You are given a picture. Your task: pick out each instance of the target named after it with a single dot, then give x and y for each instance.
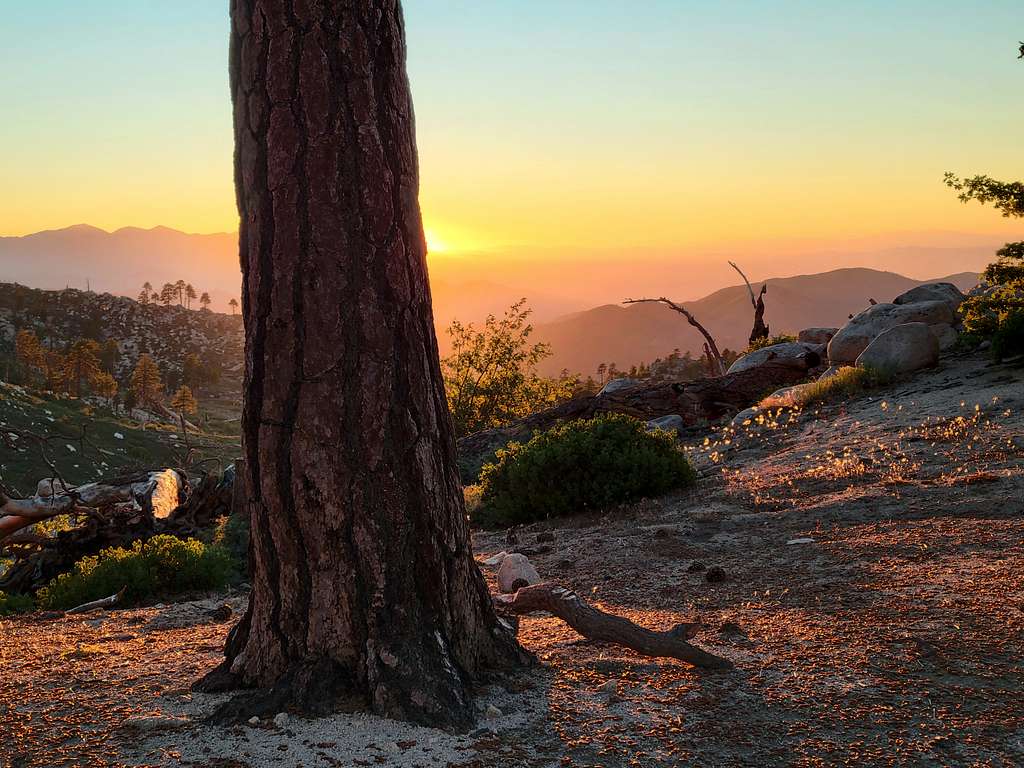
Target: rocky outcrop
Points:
(901, 349)
(854, 337)
(817, 335)
(946, 334)
(671, 423)
(516, 571)
(945, 292)
(616, 385)
(792, 353)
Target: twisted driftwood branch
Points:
(604, 627)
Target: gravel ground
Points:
(873, 606)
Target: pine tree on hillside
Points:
(234, 305)
(190, 295)
(104, 385)
(28, 350)
(81, 364)
(167, 294)
(184, 401)
(205, 301)
(146, 384)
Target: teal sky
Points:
(566, 123)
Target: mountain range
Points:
(636, 333)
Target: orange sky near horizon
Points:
(624, 132)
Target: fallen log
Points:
(595, 624)
(697, 402)
(104, 602)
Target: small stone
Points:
(492, 712)
(281, 719)
(254, 721)
(696, 567)
(610, 687)
(715, 575)
(545, 537)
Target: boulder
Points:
(946, 292)
(946, 334)
(616, 384)
(854, 337)
(901, 349)
(671, 423)
(784, 396)
(743, 416)
(817, 335)
(516, 571)
(795, 353)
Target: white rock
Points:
(804, 540)
(281, 719)
(164, 494)
(493, 712)
(616, 384)
(901, 349)
(946, 292)
(792, 353)
(496, 559)
(118, 436)
(854, 337)
(514, 570)
(254, 720)
(816, 335)
(672, 423)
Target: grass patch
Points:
(162, 566)
(847, 382)
(578, 466)
(112, 443)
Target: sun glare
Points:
(434, 243)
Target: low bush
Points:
(769, 341)
(12, 604)
(162, 566)
(577, 466)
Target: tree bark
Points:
(364, 584)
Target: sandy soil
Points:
(873, 606)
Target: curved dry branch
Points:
(604, 627)
(712, 346)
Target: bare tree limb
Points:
(753, 301)
(760, 329)
(712, 346)
(604, 627)
(105, 602)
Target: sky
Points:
(552, 127)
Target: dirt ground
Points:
(873, 606)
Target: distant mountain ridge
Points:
(629, 335)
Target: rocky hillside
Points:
(167, 334)
(629, 335)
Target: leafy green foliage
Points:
(768, 341)
(163, 565)
(13, 604)
(231, 533)
(491, 374)
(577, 466)
(999, 314)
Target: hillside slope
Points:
(629, 335)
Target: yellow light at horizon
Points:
(434, 243)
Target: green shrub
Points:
(163, 565)
(577, 466)
(12, 604)
(769, 341)
(1008, 340)
(231, 533)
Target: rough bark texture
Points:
(364, 585)
(603, 627)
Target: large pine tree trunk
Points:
(364, 585)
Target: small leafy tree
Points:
(146, 384)
(29, 352)
(491, 374)
(184, 401)
(81, 364)
(104, 385)
(997, 314)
